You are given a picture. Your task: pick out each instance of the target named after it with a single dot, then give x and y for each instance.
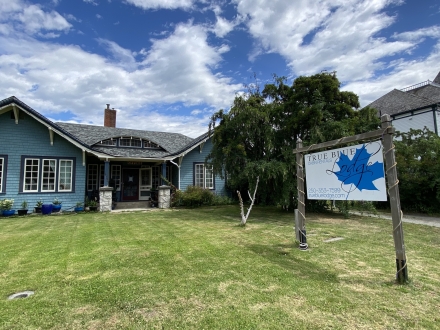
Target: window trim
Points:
(3, 173)
(195, 164)
(117, 181)
(95, 184)
(59, 175)
(23, 173)
(40, 172)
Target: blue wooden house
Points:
(43, 160)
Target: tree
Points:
(256, 137)
(417, 156)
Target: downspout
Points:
(178, 167)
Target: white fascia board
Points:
(188, 150)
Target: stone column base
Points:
(105, 199)
(164, 199)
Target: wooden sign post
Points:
(386, 134)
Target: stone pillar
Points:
(164, 199)
(105, 199)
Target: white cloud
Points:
(92, 2)
(337, 35)
(31, 18)
(420, 34)
(165, 4)
(55, 78)
(222, 27)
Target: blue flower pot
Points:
(8, 213)
(46, 209)
(56, 207)
(79, 209)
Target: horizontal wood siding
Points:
(418, 121)
(187, 168)
(31, 138)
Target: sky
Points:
(168, 65)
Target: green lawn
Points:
(197, 269)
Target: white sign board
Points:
(350, 173)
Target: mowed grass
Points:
(198, 269)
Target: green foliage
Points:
(418, 167)
(196, 196)
(6, 204)
(24, 205)
(257, 136)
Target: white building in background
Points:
(416, 106)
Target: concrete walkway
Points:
(417, 219)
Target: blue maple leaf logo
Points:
(358, 171)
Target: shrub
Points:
(196, 196)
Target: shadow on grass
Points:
(287, 257)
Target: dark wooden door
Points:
(130, 184)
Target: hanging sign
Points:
(350, 173)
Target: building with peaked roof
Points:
(413, 107)
(41, 159)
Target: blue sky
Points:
(167, 65)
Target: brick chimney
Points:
(109, 117)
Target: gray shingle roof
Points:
(437, 79)
(397, 101)
(90, 135)
(172, 144)
(430, 92)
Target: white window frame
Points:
(200, 176)
(60, 174)
(2, 170)
(46, 180)
(115, 174)
(25, 177)
(92, 178)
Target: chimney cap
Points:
(108, 105)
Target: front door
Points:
(130, 184)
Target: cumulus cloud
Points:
(32, 19)
(342, 36)
(55, 78)
(165, 4)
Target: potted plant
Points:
(6, 207)
(56, 205)
(24, 208)
(38, 206)
(93, 205)
(79, 207)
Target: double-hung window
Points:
(65, 175)
(44, 174)
(92, 177)
(116, 176)
(203, 176)
(48, 175)
(31, 174)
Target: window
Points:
(65, 178)
(48, 175)
(116, 176)
(101, 175)
(2, 173)
(130, 142)
(109, 142)
(31, 174)
(203, 176)
(92, 177)
(149, 144)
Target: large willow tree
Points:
(255, 138)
